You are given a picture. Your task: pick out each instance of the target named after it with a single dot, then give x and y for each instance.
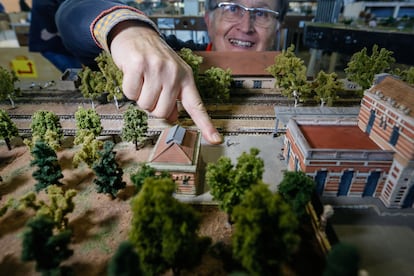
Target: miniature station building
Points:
(370, 156)
(248, 72)
(177, 151)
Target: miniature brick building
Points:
(178, 152)
(247, 72)
(372, 156)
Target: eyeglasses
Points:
(233, 12)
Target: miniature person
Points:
(154, 76)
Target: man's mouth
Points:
(241, 43)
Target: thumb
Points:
(195, 108)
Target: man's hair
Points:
(282, 5)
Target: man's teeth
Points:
(241, 43)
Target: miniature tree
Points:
(164, 230)
(193, 60)
(89, 150)
(8, 128)
(144, 171)
(92, 84)
(228, 183)
(297, 188)
(362, 68)
(135, 125)
(265, 231)
(325, 87)
(87, 119)
(406, 75)
(89, 126)
(112, 75)
(48, 169)
(342, 260)
(46, 126)
(59, 205)
(290, 74)
(108, 173)
(7, 87)
(125, 261)
(40, 244)
(215, 84)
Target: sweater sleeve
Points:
(85, 24)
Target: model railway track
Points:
(26, 132)
(35, 96)
(243, 117)
(117, 117)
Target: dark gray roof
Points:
(175, 135)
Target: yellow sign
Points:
(24, 67)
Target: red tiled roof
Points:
(397, 90)
(337, 137)
(240, 63)
(173, 152)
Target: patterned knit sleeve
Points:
(108, 19)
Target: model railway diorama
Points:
(90, 184)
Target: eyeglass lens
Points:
(235, 12)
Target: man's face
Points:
(243, 34)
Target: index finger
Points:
(194, 106)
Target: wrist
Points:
(129, 28)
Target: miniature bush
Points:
(228, 183)
(297, 188)
(342, 260)
(57, 207)
(164, 230)
(264, 231)
(143, 172)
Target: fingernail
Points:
(217, 138)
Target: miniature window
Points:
(370, 121)
(238, 83)
(257, 84)
(383, 122)
(185, 180)
(395, 135)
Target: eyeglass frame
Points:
(246, 9)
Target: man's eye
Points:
(262, 14)
(233, 8)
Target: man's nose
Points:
(246, 23)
